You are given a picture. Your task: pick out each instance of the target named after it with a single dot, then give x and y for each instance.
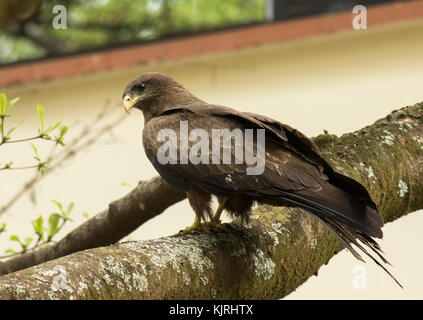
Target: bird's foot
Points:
(217, 224)
(207, 227)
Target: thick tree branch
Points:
(107, 227)
(269, 258)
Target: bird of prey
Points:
(294, 174)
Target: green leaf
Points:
(14, 237)
(40, 110)
(3, 227)
(50, 129)
(59, 139)
(35, 149)
(59, 205)
(10, 251)
(125, 184)
(69, 210)
(86, 215)
(27, 242)
(13, 129)
(41, 166)
(63, 131)
(53, 222)
(12, 103)
(38, 226)
(3, 104)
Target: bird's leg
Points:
(214, 221)
(216, 217)
(195, 226)
(200, 203)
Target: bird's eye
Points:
(141, 87)
(127, 99)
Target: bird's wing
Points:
(286, 168)
(294, 173)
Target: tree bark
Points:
(266, 259)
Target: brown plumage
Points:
(295, 175)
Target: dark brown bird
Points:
(293, 174)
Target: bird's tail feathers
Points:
(351, 221)
(350, 237)
(335, 203)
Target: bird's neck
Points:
(149, 114)
(176, 101)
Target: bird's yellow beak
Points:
(129, 102)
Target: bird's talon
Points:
(207, 227)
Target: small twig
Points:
(39, 243)
(19, 168)
(26, 251)
(73, 147)
(23, 140)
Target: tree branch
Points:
(256, 261)
(107, 227)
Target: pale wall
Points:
(338, 82)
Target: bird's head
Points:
(153, 92)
